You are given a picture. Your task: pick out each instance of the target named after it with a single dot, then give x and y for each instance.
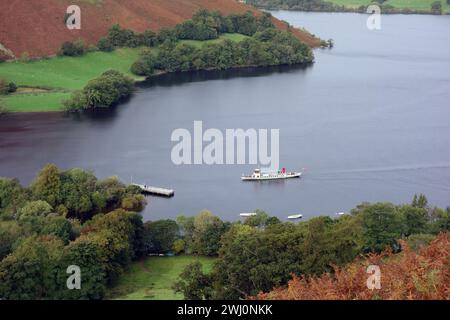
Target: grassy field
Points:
(228, 36)
(152, 278)
(401, 4)
(62, 75)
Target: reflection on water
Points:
(177, 78)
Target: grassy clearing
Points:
(36, 102)
(152, 278)
(400, 4)
(228, 36)
(62, 75)
(68, 72)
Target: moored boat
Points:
(248, 214)
(295, 216)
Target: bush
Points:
(104, 44)
(76, 102)
(436, 7)
(145, 66)
(103, 91)
(72, 49)
(7, 87)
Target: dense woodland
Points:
(72, 218)
(164, 52)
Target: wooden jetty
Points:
(155, 190)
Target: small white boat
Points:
(248, 214)
(295, 216)
(340, 213)
(258, 175)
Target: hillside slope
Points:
(38, 28)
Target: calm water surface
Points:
(369, 122)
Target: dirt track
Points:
(37, 27)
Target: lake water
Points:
(370, 121)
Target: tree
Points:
(59, 227)
(107, 89)
(208, 230)
(10, 232)
(193, 283)
(414, 219)
(85, 254)
(34, 209)
(258, 220)
(179, 246)
(161, 235)
(420, 201)
(28, 273)
(145, 66)
(382, 226)
(12, 197)
(133, 202)
(101, 92)
(47, 185)
(186, 230)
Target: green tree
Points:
(10, 232)
(179, 246)
(86, 255)
(12, 197)
(47, 185)
(145, 66)
(382, 226)
(34, 209)
(161, 235)
(28, 273)
(258, 220)
(193, 283)
(420, 201)
(208, 229)
(415, 219)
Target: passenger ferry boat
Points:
(259, 175)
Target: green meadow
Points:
(227, 36)
(400, 4)
(59, 76)
(152, 278)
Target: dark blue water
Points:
(369, 121)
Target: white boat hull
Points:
(272, 176)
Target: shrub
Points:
(436, 7)
(7, 87)
(105, 44)
(145, 66)
(72, 49)
(76, 102)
